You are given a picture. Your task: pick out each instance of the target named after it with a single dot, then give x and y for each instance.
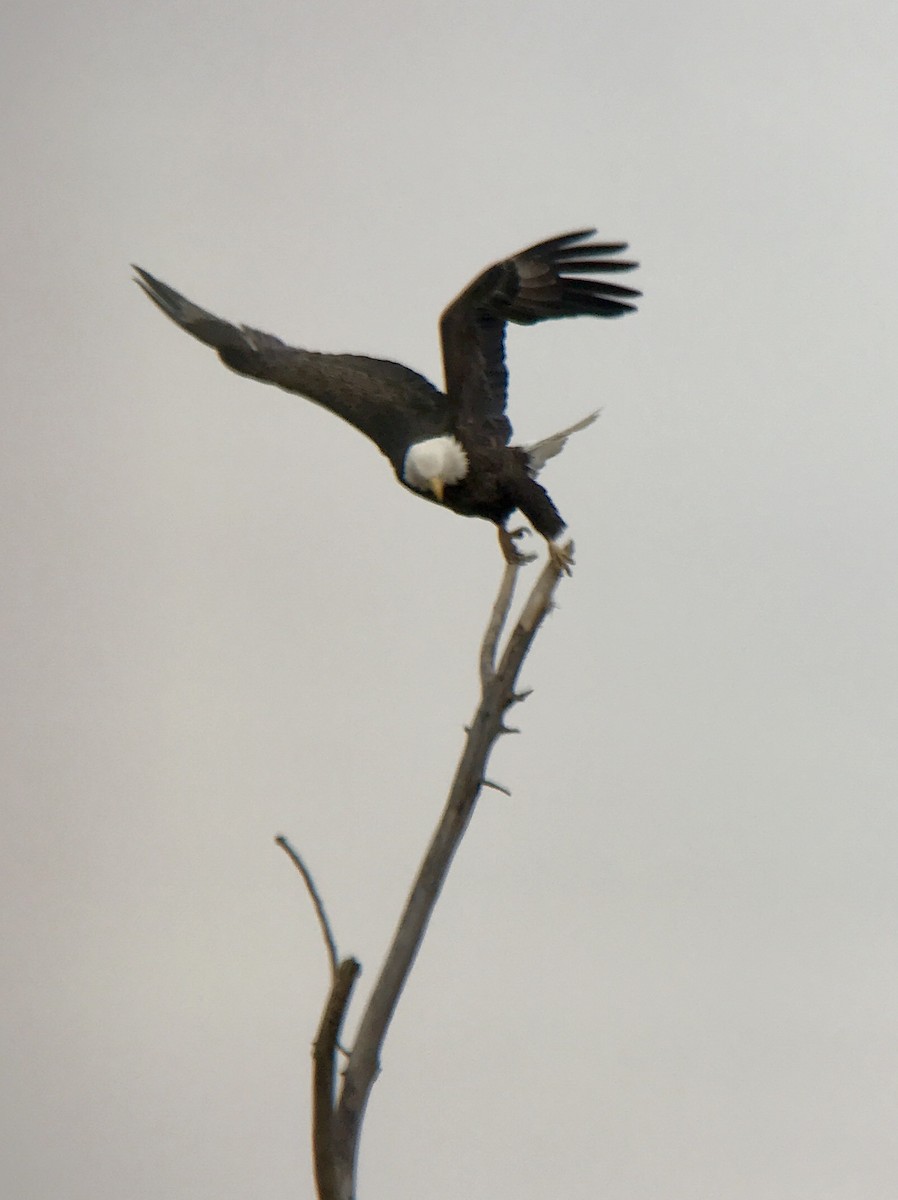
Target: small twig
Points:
(496, 787)
(316, 900)
(497, 620)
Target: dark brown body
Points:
(498, 482)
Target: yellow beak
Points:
(436, 486)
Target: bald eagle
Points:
(451, 447)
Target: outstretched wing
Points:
(541, 283)
(388, 402)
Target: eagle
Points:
(451, 447)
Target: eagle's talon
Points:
(562, 557)
(512, 555)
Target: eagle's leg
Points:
(510, 552)
(561, 556)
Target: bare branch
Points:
(306, 874)
(498, 693)
(497, 620)
(328, 1180)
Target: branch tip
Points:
(496, 623)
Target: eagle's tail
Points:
(539, 453)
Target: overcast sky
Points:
(668, 965)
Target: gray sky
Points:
(668, 966)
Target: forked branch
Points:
(338, 1113)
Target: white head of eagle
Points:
(435, 464)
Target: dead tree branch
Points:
(337, 1119)
(497, 695)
